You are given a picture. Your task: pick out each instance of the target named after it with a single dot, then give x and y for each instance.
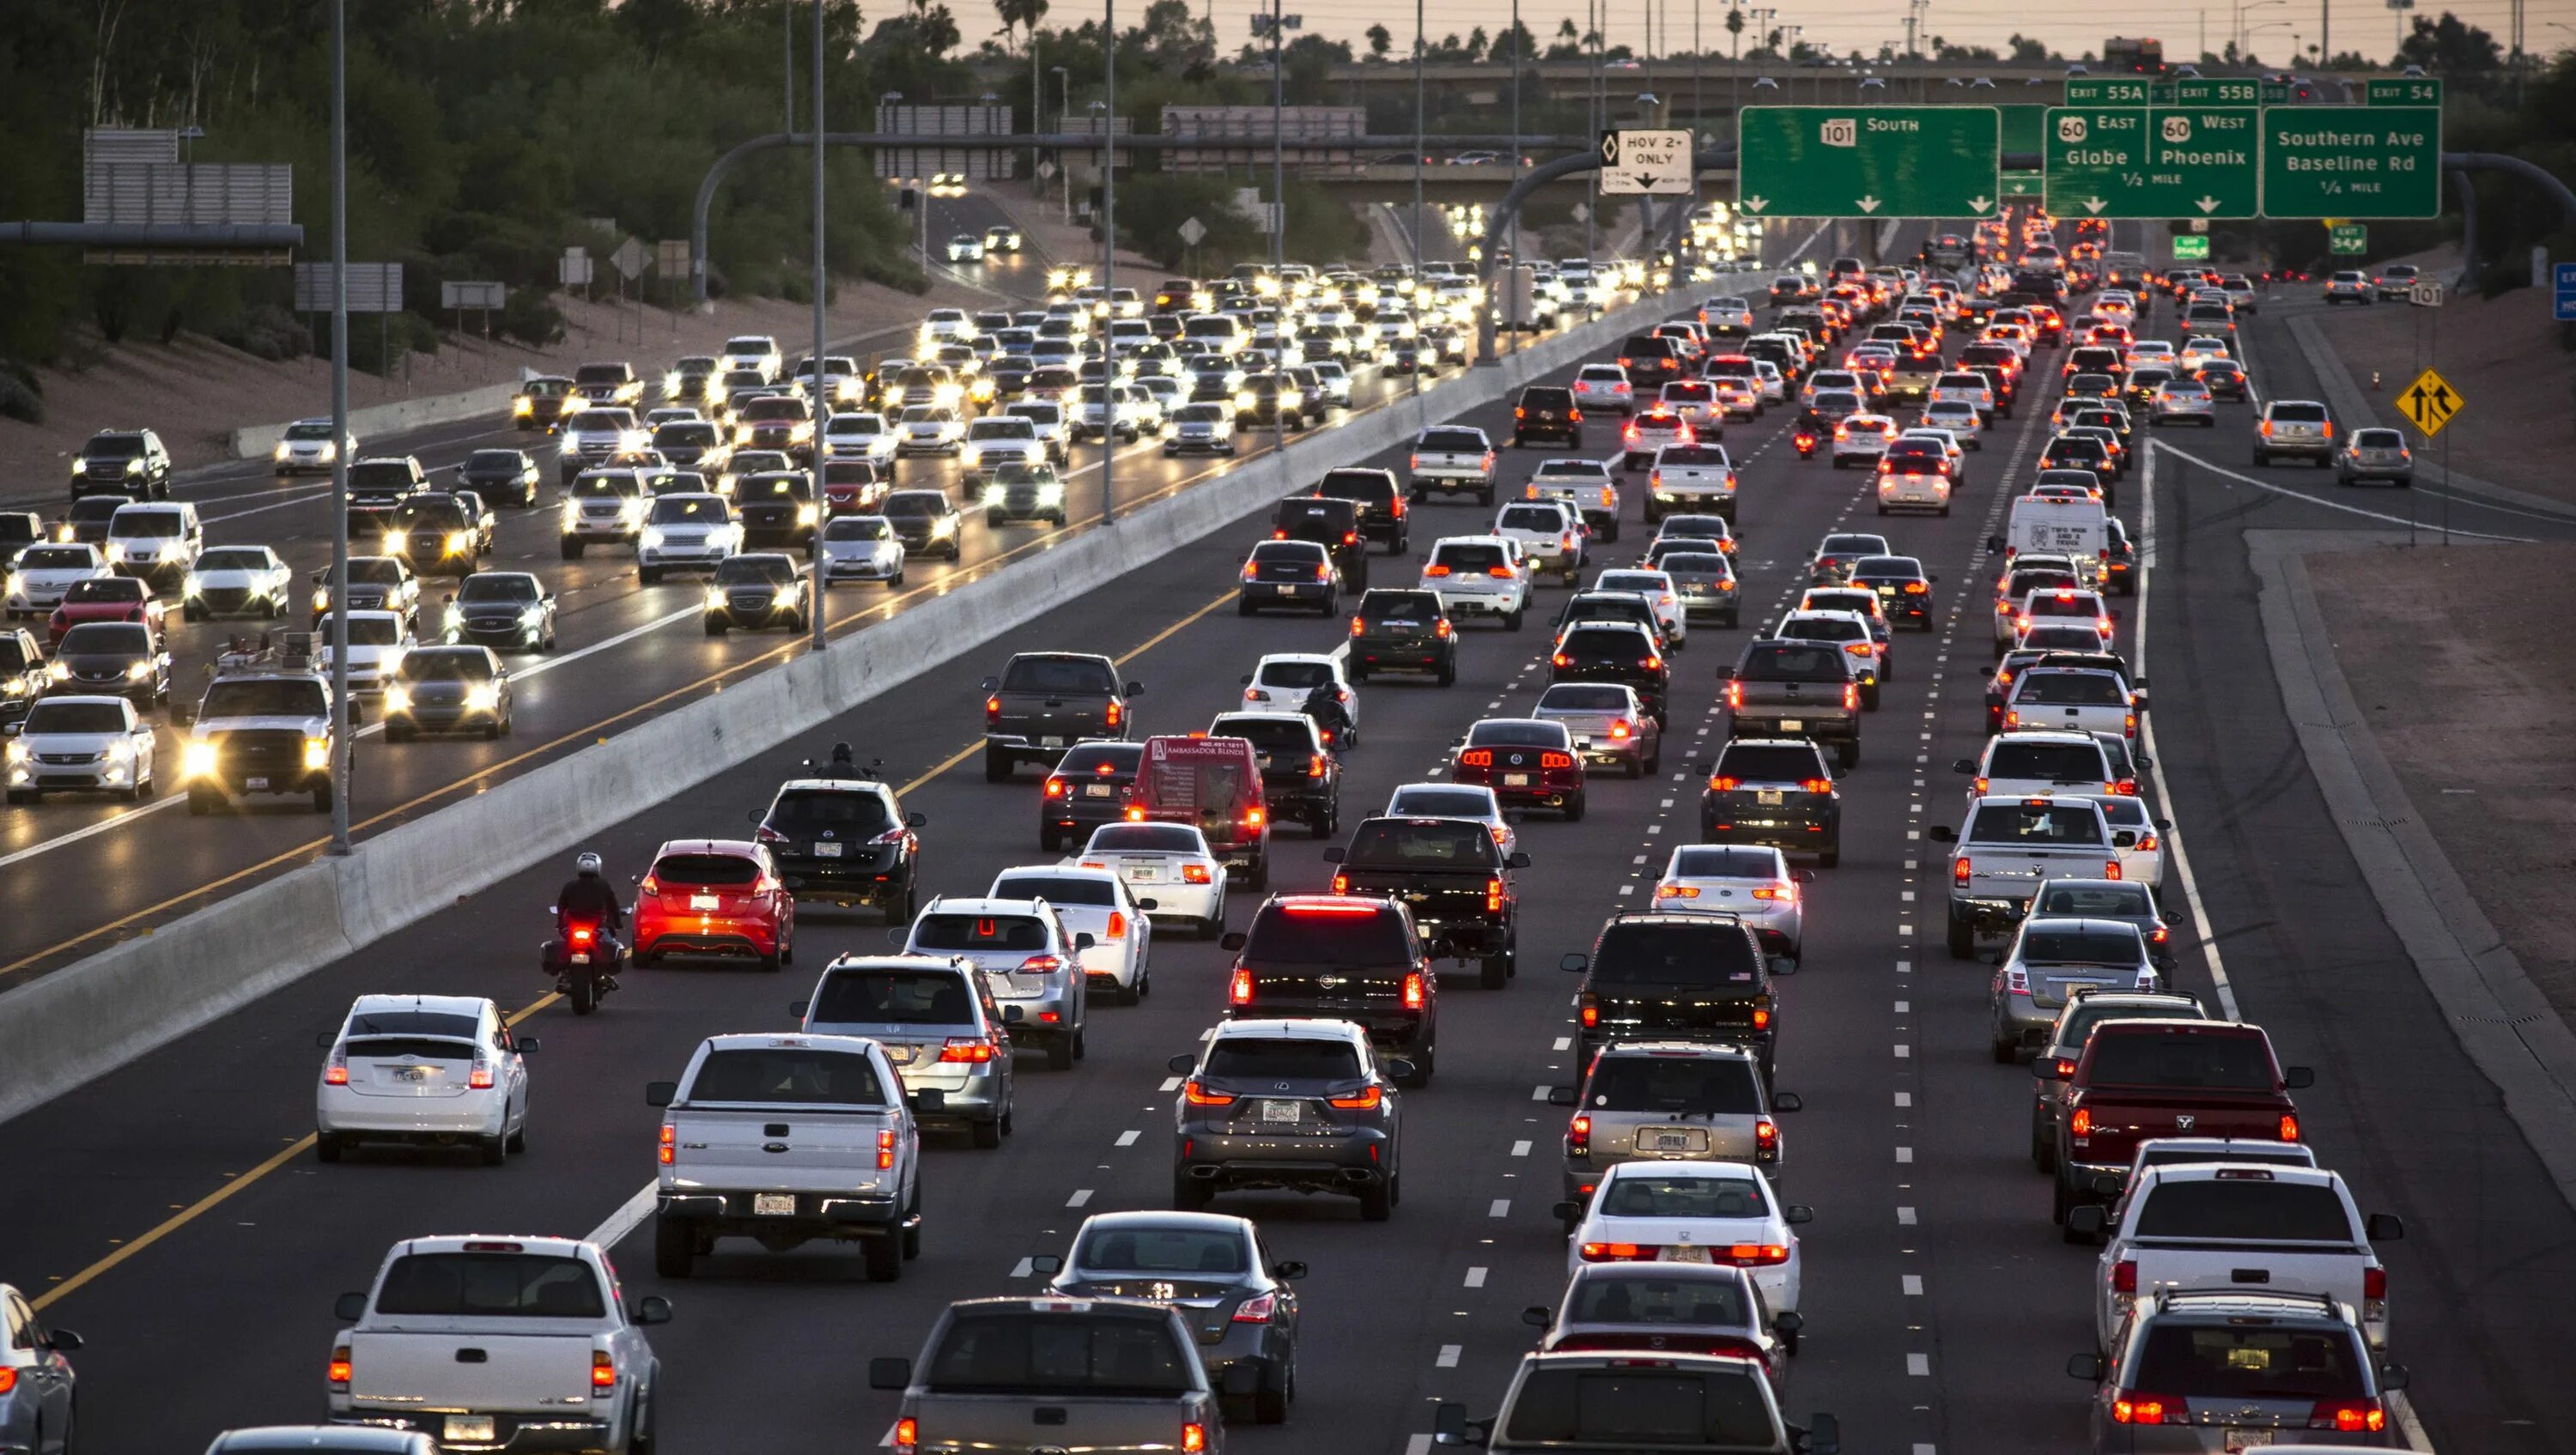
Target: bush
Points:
(20, 401)
(265, 331)
(529, 316)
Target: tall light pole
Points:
(1109, 261)
(339, 427)
(1064, 104)
(2236, 33)
(822, 403)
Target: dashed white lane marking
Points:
(1520, 1149)
(1564, 1043)
(1914, 1285)
(1539, 1092)
(1476, 1277)
(1128, 1139)
(1905, 1217)
(1902, 1006)
(1171, 1083)
(1501, 1208)
(1923, 1449)
(1905, 1154)
(1448, 1356)
(1417, 1445)
(1905, 1098)
(1081, 1196)
(1919, 1365)
(1903, 1050)
(1023, 1268)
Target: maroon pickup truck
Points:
(2167, 1078)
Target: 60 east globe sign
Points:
(2152, 161)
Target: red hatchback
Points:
(714, 897)
(1526, 761)
(106, 598)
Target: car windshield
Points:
(605, 483)
(107, 638)
(2241, 1206)
(2102, 945)
(1674, 951)
(1654, 1195)
(692, 509)
(509, 586)
(491, 1285)
(916, 502)
(1636, 1405)
(858, 528)
(1256, 1058)
(2068, 823)
(264, 697)
(440, 665)
(2071, 689)
(1695, 1085)
(226, 558)
(1087, 676)
(2051, 762)
(369, 630)
(134, 523)
(1437, 843)
(57, 558)
(844, 813)
(73, 716)
(787, 1075)
(2191, 1062)
(991, 932)
(2217, 1365)
(1060, 1351)
(761, 569)
(893, 997)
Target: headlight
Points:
(134, 467)
(1244, 399)
(58, 671)
(322, 599)
(459, 542)
(485, 697)
(80, 467)
(633, 439)
(317, 752)
(808, 514)
(196, 759)
(522, 406)
(397, 699)
(670, 384)
(715, 598)
(280, 452)
(571, 514)
(944, 526)
(17, 751)
(18, 584)
(395, 541)
(1051, 493)
(652, 538)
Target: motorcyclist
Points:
(1324, 705)
(588, 897)
(840, 765)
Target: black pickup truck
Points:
(1680, 977)
(1451, 875)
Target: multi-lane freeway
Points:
(174, 1213)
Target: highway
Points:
(178, 1202)
(623, 651)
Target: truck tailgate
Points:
(513, 1373)
(1047, 1421)
(788, 1148)
(2258, 1265)
(1996, 872)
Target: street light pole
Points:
(1278, 153)
(339, 427)
(1109, 262)
(1064, 106)
(816, 598)
(1421, 139)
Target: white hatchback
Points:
(861, 548)
(438, 1070)
(1480, 576)
(1284, 680)
(1168, 863)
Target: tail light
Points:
(2012, 719)
(885, 1141)
(1651, 664)
(1734, 695)
(1198, 1095)
(1193, 1438)
(1578, 1137)
(2081, 1124)
(479, 1078)
(966, 1050)
(1620, 1252)
(1961, 869)
(336, 1373)
(1776, 893)
(670, 1143)
(1556, 760)
(992, 710)
(1620, 731)
(1591, 1012)
(336, 1073)
(1414, 993)
(2124, 1276)
(1413, 462)
(649, 886)
(1766, 1138)
(603, 1369)
(1476, 758)
(1238, 989)
(2348, 1415)
(2131, 1408)
(1252, 818)
(2129, 728)
(1761, 1018)
(1055, 788)
(1751, 1255)
(1851, 696)
(2289, 1126)
(2111, 869)
(1441, 629)
(1251, 572)
(1116, 714)
(1197, 874)
(1135, 813)
(907, 1435)
(764, 834)
(1355, 626)
(1259, 1310)
(1341, 884)
(1041, 965)
(1429, 571)
(1499, 573)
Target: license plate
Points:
(1516, 780)
(1142, 874)
(1687, 1253)
(703, 901)
(1287, 1113)
(581, 957)
(1098, 790)
(1669, 1139)
(2247, 1439)
(467, 1429)
(900, 1055)
(1050, 742)
(827, 851)
(1767, 795)
(1287, 588)
(1792, 724)
(773, 1204)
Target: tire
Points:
(1050, 839)
(1511, 621)
(988, 1135)
(518, 1141)
(322, 799)
(2004, 1052)
(715, 626)
(1448, 674)
(2043, 1147)
(1962, 939)
(1270, 1402)
(1060, 1054)
(675, 1247)
(1497, 970)
(327, 1146)
(884, 1259)
(1375, 1204)
(398, 732)
(648, 575)
(770, 962)
(199, 804)
(1574, 809)
(997, 766)
(495, 1150)
(584, 995)
(143, 788)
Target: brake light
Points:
(336, 1373)
(907, 1435)
(992, 710)
(649, 885)
(1619, 1252)
(966, 1049)
(1259, 1310)
(1193, 1438)
(1429, 571)
(480, 1078)
(1355, 626)
(337, 1072)
(1198, 1095)
(603, 1369)
(1197, 874)
(1055, 788)
(1116, 714)
(1651, 664)
(1851, 696)
(1556, 760)
(1751, 1255)
(1734, 695)
(1591, 1013)
(1960, 869)
(1766, 1136)
(1476, 758)
(2348, 1415)
(2111, 869)
(2147, 1409)
(2082, 1123)
(1761, 1018)
(669, 1142)
(1620, 731)
(2289, 1126)
(1440, 628)
(2124, 1276)
(1414, 990)
(1239, 989)
(885, 1140)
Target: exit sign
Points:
(2101, 92)
(2188, 248)
(2408, 91)
(2205, 92)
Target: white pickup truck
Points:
(783, 1139)
(1451, 459)
(2223, 1225)
(499, 1343)
(1690, 478)
(1587, 485)
(2006, 849)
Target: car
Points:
(2238, 1369)
(1603, 387)
(1358, 960)
(1677, 976)
(1857, 635)
(2057, 1049)
(846, 842)
(929, 429)
(131, 462)
(1384, 510)
(1550, 413)
(41, 574)
(1753, 884)
(758, 352)
(156, 542)
(926, 522)
(1693, 1211)
(504, 610)
(2294, 429)
(126, 658)
(424, 1070)
(1772, 793)
(1588, 486)
(2349, 285)
(1095, 904)
(1623, 653)
(1200, 428)
(966, 247)
(1649, 430)
(307, 447)
(1480, 576)
(1219, 1268)
(1296, 1104)
(860, 548)
(2134, 1075)
(2184, 400)
(1170, 863)
(447, 689)
(1588, 1400)
(1527, 762)
(2375, 454)
(1146, 1390)
(1654, 1100)
(79, 743)
(2082, 699)
(1001, 238)
(941, 1030)
(1030, 960)
(714, 897)
(2395, 280)
(686, 531)
(1455, 800)
(2049, 959)
(1648, 1310)
(756, 591)
(1043, 701)
(1838, 554)
(1289, 573)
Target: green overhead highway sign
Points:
(1869, 161)
(2153, 161)
(2345, 239)
(2410, 91)
(2100, 92)
(2352, 161)
(2275, 93)
(2204, 92)
(2020, 185)
(2190, 248)
(2022, 126)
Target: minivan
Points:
(1214, 785)
(158, 541)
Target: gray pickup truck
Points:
(1045, 702)
(1107, 1376)
(2008, 847)
(1786, 689)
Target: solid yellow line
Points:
(173, 1224)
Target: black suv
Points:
(434, 535)
(1403, 631)
(1617, 652)
(122, 462)
(844, 841)
(1380, 499)
(1547, 412)
(1776, 792)
(1301, 778)
(1087, 788)
(1332, 524)
(777, 508)
(1453, 877)
(1326, 957)
(1304, 1105)
(506, 476)
(1676, 977)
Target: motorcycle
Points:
(1806, 440)
(584, 960)
(1332, 720)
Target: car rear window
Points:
(1129, 1249)
(1060, 674)
(979, 932)
(2218, 1365)
(1654, 1196)
(1252, 1058)
(1672, 951)
(851, 812)
(1471, 558)
(2106, 900)
(706, 869)
(1431, 843)
(1626, 1296)
(2069, 823)
(2054, 762)
(1451, 441)
(1719, 861)
(1292, 934)
(1791, 662)
(486, 1285)
(1148, 839)
(897, 997)
(2300, 413)
(2071, 689)
(1057, 889)
(2244, 1206)
(1100, 1353)
(1786, 763)
(1640, 1408)
(2203, 1061)
(2103, 946)
(1680, 1085)
(799, 1075)
(1584, 697)
(1268, 735)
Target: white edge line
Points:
(2147, 732)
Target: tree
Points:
(2028, 52)
(2453, 48)
(1476, 43)
(1021, 14)
(1379, 42)
(1569, 42)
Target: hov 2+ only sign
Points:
(1646, 162)
(1870, 161)
(2153, 161)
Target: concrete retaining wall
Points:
(376, 421)
(91, 1017)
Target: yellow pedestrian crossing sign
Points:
(2430, 402)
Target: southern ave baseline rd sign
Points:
(1869, 161)
(2352, 161)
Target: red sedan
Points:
(714, 897)
(1526, 761)
(106, 598)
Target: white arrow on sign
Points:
(2207, 204)
(1869, 204)
(2095, 205)
(1756, 204)
(1978, 205)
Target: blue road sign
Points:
(2566, 291)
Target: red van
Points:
(1213, 784)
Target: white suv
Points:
(1480, 576)
(1549, 534)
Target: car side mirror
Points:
(1963, 765)
(1563, 1095)
(1941, 833)
(930, 1099)
(1994, 543)
(326, 1039)
(1333, 854)
(1046, 1265)
(62, 1341)
(1233, 940)
(527, 1045)
(989, 684)
(1574, 963)
(1149, 905)
(1802, 876)
(1135, 689)
(889, 1372)
(2088, 1367)
(1724, 674)
(1798, 1212)
(1568, 1213)
(1518, 860)
(652, 1308)
(1011, 1015)
(1788, 1101)
(2384, 1228)
(1790, 1322)
(2392, 1376)
(2087, 1224)
(754, 816)
(348, 1308)
(2298, 1078)
(1538, 1316)
(1084, 941)
(661, 1093)
(1934, 578)
(1288, 1270)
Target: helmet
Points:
(587, 866)
(840, 752)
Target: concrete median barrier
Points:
(93, 1016)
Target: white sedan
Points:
(930, 429)
(1168, 863)
(1098, 903)
(1693, 1212)
(1455, 800)
(42, 573)
(858, 437)
(237, 581)
(1959, 419)
(82, 744)
(423, 1069)
(1282, 682)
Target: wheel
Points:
(997, 765)
(1050, 839)
(1574, 809)
(584, 995)
(2004, 1051)
(1497, 970)
(1376, 1206)
(398, 732)
(143, 788)
(518, 1141)
(988, 1135)
(1963, 940)
(1448, 673)
(327, 1146)
(1831, 858)
(2061, 1200)
(648, 575)
(1847, 753)
(675, 1247)
(715, 626)
(2043, 1146)
(1511, 621)
(884, 1258)
(322, 798)
(199, 803)
(1270, 1402)
(771, 961)
(495, 1150)
(1189, 1194)
(1060, 1054)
